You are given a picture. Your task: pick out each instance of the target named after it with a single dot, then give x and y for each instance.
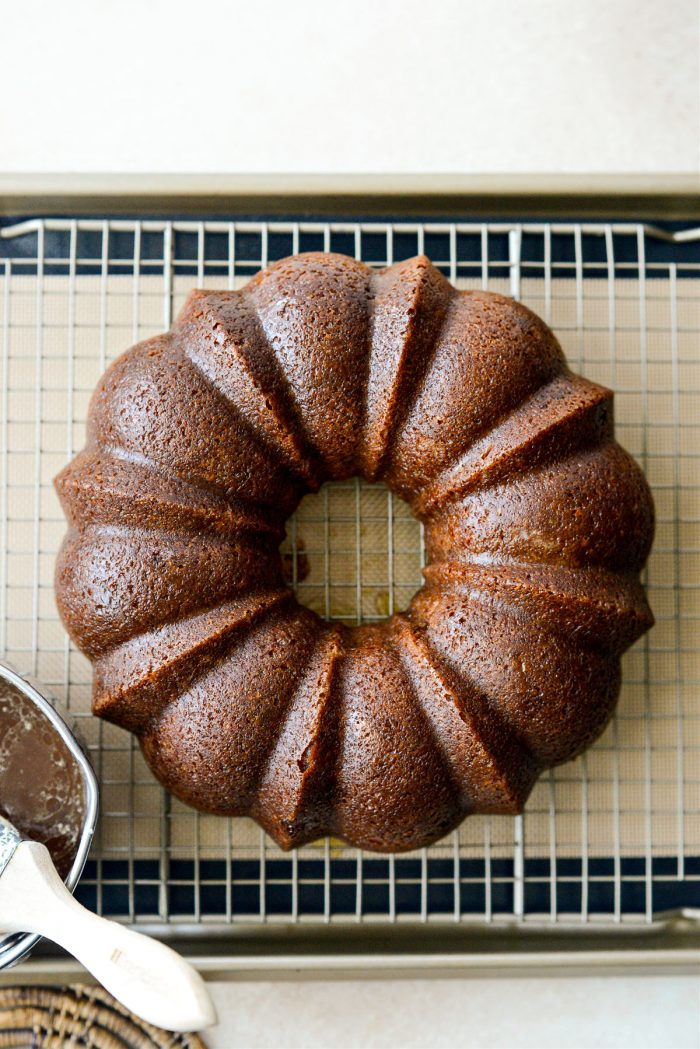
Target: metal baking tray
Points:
(608, 850)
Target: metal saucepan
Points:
(47, 787)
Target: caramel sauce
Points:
(41, 784)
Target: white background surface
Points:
(449, 86)
(606, 1012)
(374, 86)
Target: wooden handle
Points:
(150, 979)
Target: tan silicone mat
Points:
(636, 792)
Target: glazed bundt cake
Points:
(201, 443)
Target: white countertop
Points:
(374, 87)
(584, 1012)
(368, 86)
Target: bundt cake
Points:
(202, 441)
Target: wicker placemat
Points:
(57, 1017)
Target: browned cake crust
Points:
(200, 444)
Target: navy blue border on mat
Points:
(201, 887)
(658, 252)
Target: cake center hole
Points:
(353, 552)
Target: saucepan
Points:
(48, 789)
(48, 813)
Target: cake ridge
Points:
(84, 476)
(534, 576)
(118, 528)
(527, 589)
(394, 790)
(451, 672)
(555, 699)
(281, 811)
(147, 577)
(138, 408)
(132, 455)
(277, 403)
(454, 405)
(321, 300)
(414, 349)
(589, 507)
(123, 676)
(233, 410)
(399, 626)
(129, 455)
(470, 746)
(488, 467)
(228, 721)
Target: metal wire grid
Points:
(613, 837)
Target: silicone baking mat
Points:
(612, 837)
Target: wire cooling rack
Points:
(611, 838)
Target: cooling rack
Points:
(612, 839)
